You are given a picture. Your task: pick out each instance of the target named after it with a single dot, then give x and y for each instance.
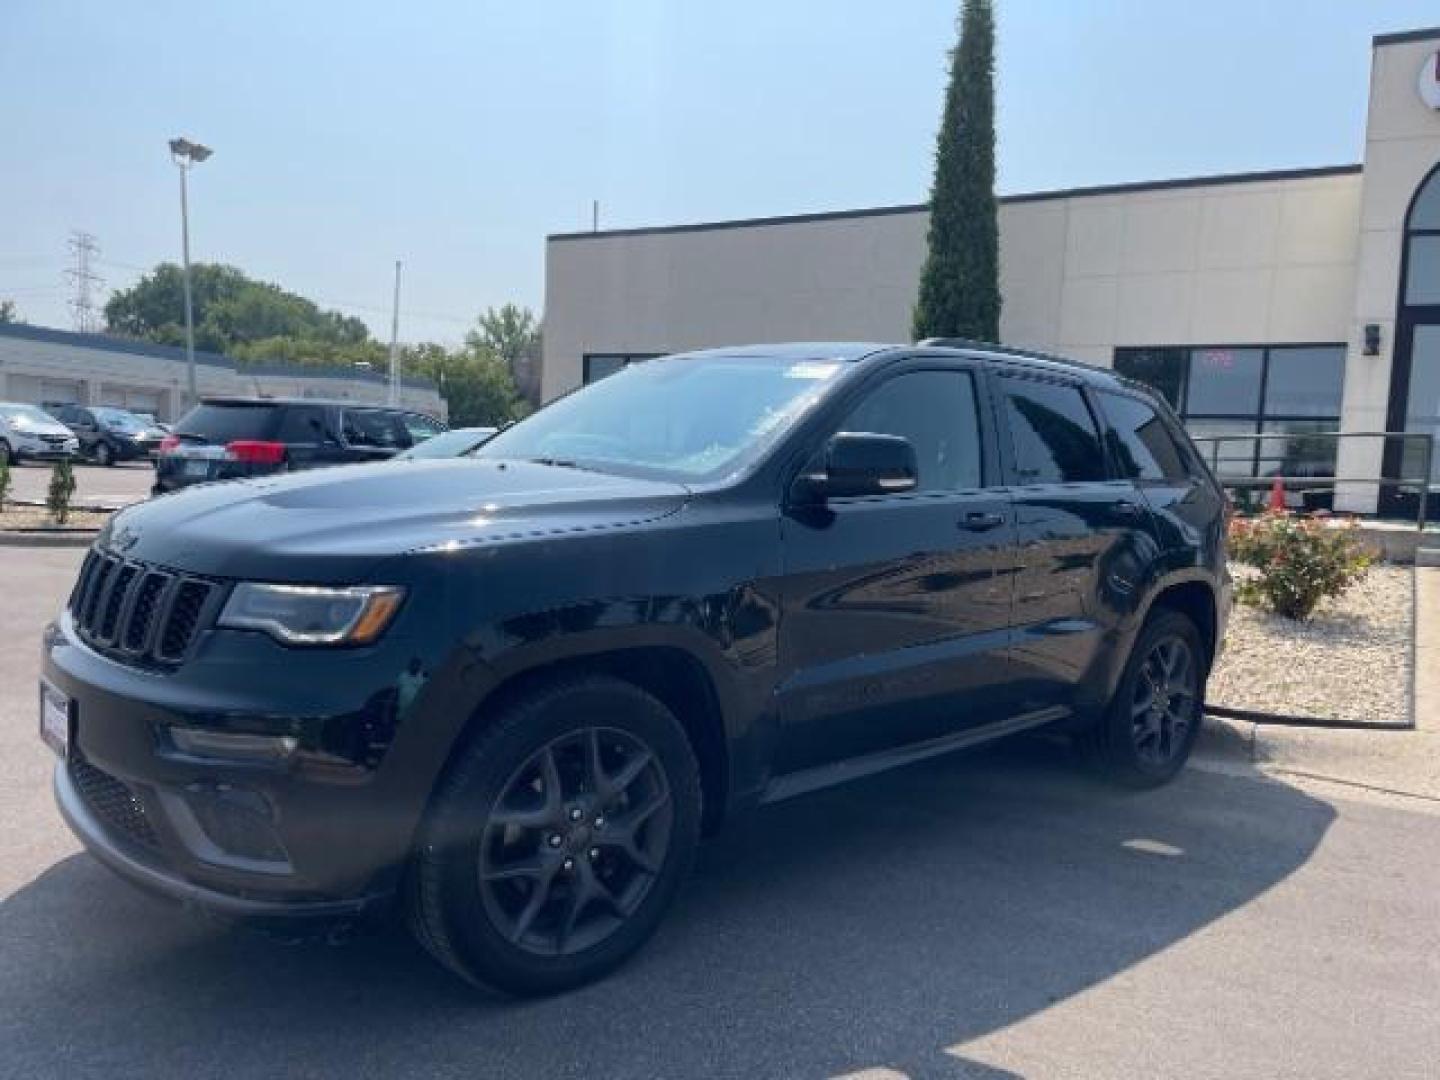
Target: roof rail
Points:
(1005, 350)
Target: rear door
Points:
(1085, 539)
(895, 611)
(1187, 508)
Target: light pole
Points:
(187, 154)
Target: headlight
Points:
(313, 615)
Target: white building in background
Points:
(39, 364)
(1291, 301)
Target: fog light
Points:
(235, 746)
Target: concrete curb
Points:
(67, 538)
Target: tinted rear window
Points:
(224, 423)
(1144, 447)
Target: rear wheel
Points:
(5, 455)
(558, 839)
(1150, 727)
(103, 454)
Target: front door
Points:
(896, 608)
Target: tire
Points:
(6, 456)
(104, 455)
(1143, 739)
(554, 896)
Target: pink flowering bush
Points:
(1299, 561)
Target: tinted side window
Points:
(421, 427)
(936, 411)
(1143, 445)
(302, 424)
(372, 427)
(1053, 433)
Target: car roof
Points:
(858, 351)
(240, 399)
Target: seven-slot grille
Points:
(137, 611)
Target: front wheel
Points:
(1150, 727)
(6, 457)
(103, 454)
(558, 838)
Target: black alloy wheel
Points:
(573, 844)
(1145, 736)
(558, 836)
(1163, 705)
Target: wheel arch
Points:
(673, 675)
(1195, 599)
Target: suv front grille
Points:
(113, 801)
(138, 612)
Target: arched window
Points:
(1422, 246)
(1415, 393)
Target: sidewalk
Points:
(1401, 763)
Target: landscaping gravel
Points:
(1351, 661)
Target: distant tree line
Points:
(493, 377)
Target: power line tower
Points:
(87, 285)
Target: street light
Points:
(186, 155)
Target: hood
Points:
(331, 524)
(37, 427)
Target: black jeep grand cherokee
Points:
(514, 690)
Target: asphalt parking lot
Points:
(991, 915)
(116, 485)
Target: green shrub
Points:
(1299, 561)
(62, 487)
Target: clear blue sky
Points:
(456, 135)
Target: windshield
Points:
(689, 418)
(28, 413)
(119, 419)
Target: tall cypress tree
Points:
(960, 285)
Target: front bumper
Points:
(130, 865)
(36, 449)
(325, 831)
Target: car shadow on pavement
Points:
(870, 926)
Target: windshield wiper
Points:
(559, 463)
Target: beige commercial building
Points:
(39, 364)
(1294, 302)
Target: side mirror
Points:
(858, 463)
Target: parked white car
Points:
(28, 432)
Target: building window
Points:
(1249, 390)
(598, 365)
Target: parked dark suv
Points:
(227, 438)
(106, 434)
(514, 689)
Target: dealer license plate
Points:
(54, 719)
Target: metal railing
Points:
(1420, 482)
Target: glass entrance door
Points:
(1422, 406)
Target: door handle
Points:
(981, 520)
(1127, 509)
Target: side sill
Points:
(840, 772)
